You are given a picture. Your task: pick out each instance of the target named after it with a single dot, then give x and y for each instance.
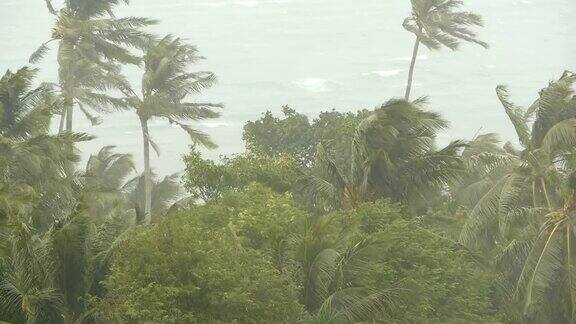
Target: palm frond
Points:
(38, 54)
(515, 114)
(50, 7)
(561, 136)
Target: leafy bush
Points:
(194, 268)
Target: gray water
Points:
(316, 55)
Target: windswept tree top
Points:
(439, 23)
(24, 111)
(167, 85)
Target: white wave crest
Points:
(384, 73)
(314, 85)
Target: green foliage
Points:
(446, 218)
(450, 287)
(372, 263)
(373, 217)
(271, 135)
(47, 278)
(193, 267)
(297, 136)
(444, 282)
(103, 180)
(393, 156)
(205, 180)
(35, 168)
(387, 204)
(524, 215)
(167, 83)
(27, 293)
(24, 111)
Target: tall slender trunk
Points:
(545, 190)
(569, 271)
(69, 114)
(534, 200)
(412, 65)
(62, 120)
(147, 171)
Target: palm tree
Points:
(436, 23)
(166, 84)
(536, 172)
(47, 278)
(393, 156)
(527, 216)
(50, 258)
(327, 271)
(24, 111)
(163, 195)
(27, 293)
(103, 182)
(485, 163)
(33, 164)
(92, 42)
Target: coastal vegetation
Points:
(356, 217)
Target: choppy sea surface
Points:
(316, 55)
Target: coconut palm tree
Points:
(327, 271)
(437, 23)
(47, 278)
(91, 44)
(537, 171)
(27, 293)
(33, 163)
(50, 258)
(23, 115)
(485, 162)
(527, 216)
(166, 86)
(163, 194)
(103, 181)
(393, 156)
(24, 111)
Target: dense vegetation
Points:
(346, 218)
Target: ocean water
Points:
(316, 55)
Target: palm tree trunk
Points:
(147, 170)
(534, 200)
(62, 120)
(569, 271)
(412, 65)
(545, 190)
(69, 110)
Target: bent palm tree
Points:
(535, 243)
(537, 171)
(92, 41)
(393, 156)
(24, 111)
(47, 278)
(436, 23)
(27, 292)
(103, 180)
(166, 84)
(163, 194)
(485, 162)
(327, 274)
(30, 160)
